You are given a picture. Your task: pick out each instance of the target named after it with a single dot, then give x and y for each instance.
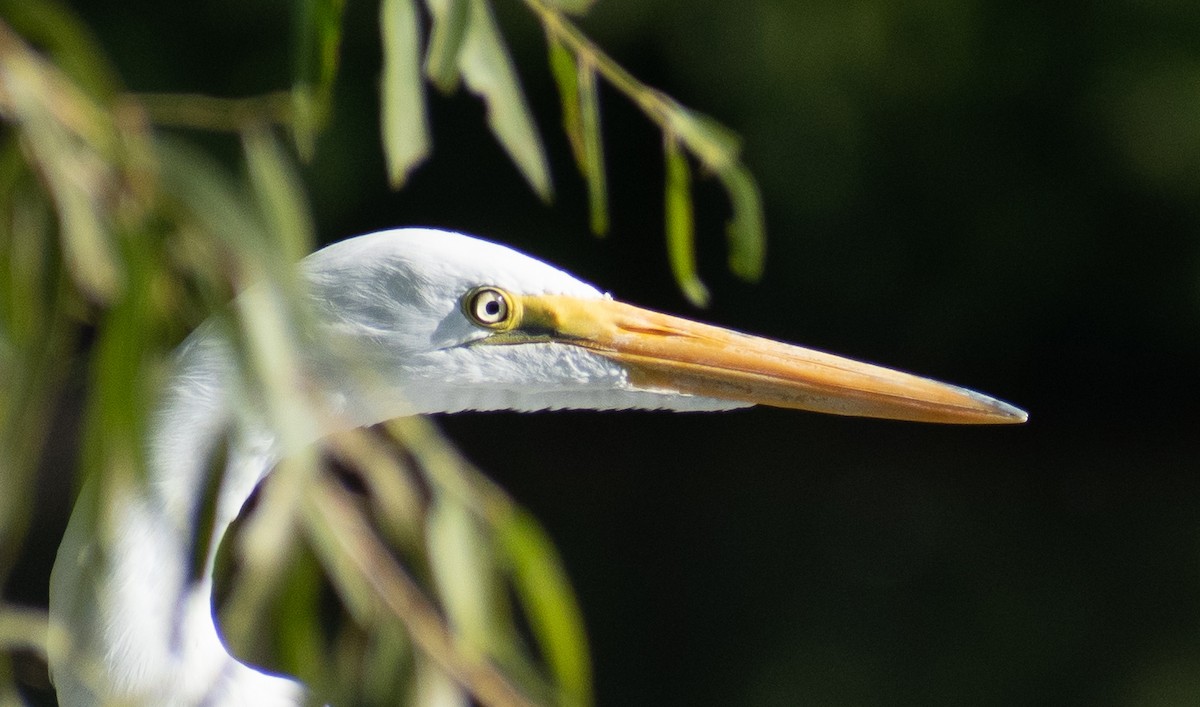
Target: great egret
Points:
(441, 322)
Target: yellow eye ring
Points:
(490, 307)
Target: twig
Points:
(403, 598)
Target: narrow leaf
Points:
(488, 71)
(716, 146)
(545, 593)
(319, 35)
(280, 196)
(747, 238)
(593, 149)
(460, 563)
(404, 122)
(573, 7)
(450, 19)
(680, 229)
(566, 76)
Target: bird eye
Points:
(488, 306)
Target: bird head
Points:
(444, 322)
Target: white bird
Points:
(438, 322)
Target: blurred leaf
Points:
(488, 72)
(298, 639)
(403, 114)
(713, 144)
(280, 196)
(319, 34)
(459, 559)
(450, 20)
(57, 30)
(566, 76)
(67, 136)
(549, 602)
(593, 149)
(747, 238)
(203, 192)
(680, 230)
(22, 628)
(36, 341)
(574, 7)
(581, 120)
(432, 687)
(388, 649)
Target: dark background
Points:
(1002, 194)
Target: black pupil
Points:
(492, 307)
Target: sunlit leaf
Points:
(488, 71)
(718, 149)
(680, 229)
(459, 560)
(58, 31)
(403, 116)
(280, 196)
(433, 688)
(549, 602)
(450, 20)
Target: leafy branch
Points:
(107, 223)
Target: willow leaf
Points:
(319, 35)
(747, 238)
(450, 19)
(547, 598)
(404, 121)
(680, 228)
(593, 149)
(566, 76)
(573, 7)
(488, 71)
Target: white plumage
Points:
(400, 329)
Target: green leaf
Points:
(319, 34)
(204, 191)
(67, 41)
(577, 87)
(718, 148)
(715, 145)
(747, 238)
(450, 19)
(545, 593)
(680, 229)
(458, 556)
(566, 76)
(280, 196)
(573, 7)
(593, 149)
(404, 122)
(488, 71)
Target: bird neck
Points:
(139, 615)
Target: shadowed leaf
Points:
(318, 36)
